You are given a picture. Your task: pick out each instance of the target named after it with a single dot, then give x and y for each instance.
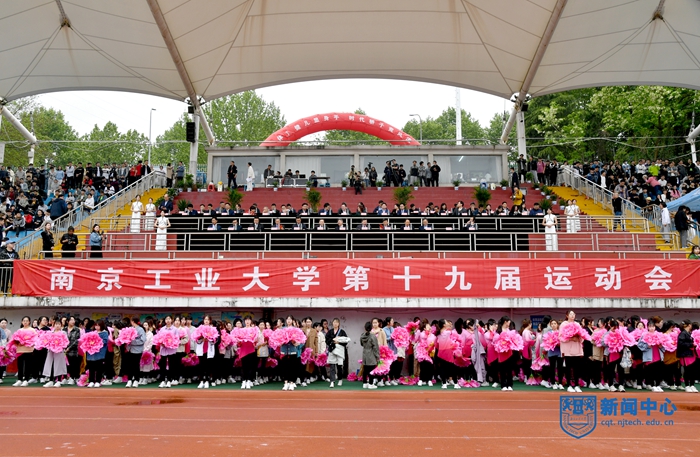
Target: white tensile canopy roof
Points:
(211, 48)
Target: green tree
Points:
(443, 129)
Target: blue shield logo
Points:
(577, 414)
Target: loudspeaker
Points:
(189, 129)
(190, 109)
(524, 107)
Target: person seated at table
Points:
(536, 210)
(256, 226)
(326, 211)
(473, 210)
(364, 225)
(235, 226)
(344, 210)
(321, 225)
(425, 226)
(290, 210)
(214, 226)
(413, 209)
(266, 211)
(254, 211)
(407, 225)
(288, 173)
(273, 210)
(313, 178)
(221, 210)
(459, 209)
(341, 225)
(487, 211)
(298, 225)
(444, 210)
(378, 207)
(211, 210)
(278, 175)
(304, 211)
(190, 211)
(383, 210)
(471, 225)
(385, 225)
(361, 209)
(402, 210)
(277, 225)
(296, 175)
(283, 211)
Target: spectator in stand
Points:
(435, 174)
(681, 221)
(665, 223)
(58, 206)
(169, 173)
(180, 172)
(69, 243)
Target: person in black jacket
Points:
(7, 255)
(681, 221)
(336, 342)
(686, 356)
(69, 243)
(47, 241)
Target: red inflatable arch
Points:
(339, 121)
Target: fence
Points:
(30, 245)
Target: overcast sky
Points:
(389, 100)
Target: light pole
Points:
(150, 141)
(420, 125)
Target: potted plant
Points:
(528, 177)
(182, 205)
(402, 195)
(234, 197)
(504, 184)
(550, 193)
(482, 196)
(456, 183)
(562, 204)
(189, 183)
(544, 189)
(313, 198)
(380, 184)
(180, 184)
(344, 184)
(545, 205)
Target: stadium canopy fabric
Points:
(691, 200)
(210, 48)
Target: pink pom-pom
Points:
(278, 338)
(352, 377)
(550, 341)
(25, 337)
(271, 363)
(572, 330)
(637, 333)
(57, 342)
(182, 333)
(42, 339)
(401, 337)
(422, 352)
(296, 335)
(190, 360)
(381, 370)
(538, 363)
(247, 334)
(205, 332)
(597, 337)
(307, 356)
(532, 381)
(8, 354)
(653, 338)
(83, 379)
(226, 340)
(147, 358)
(126, 336)
(412, 328)
(509, 340)
(472, 384)
(267, 333)
(166, 339)
(408, 380)
(90, 343)
(695, 335)
(321, 360)
(669, 342)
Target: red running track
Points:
(148, 422)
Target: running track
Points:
(151, 422)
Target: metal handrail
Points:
(30, 245)
(363, 241)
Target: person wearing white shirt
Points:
(89, 203)
(665, 223)
(250, 178)
(407, 225)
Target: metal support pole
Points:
(150, 138)
(458, 109)
(194, 147)
(521, 134)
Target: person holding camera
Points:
(96, 237)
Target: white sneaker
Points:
(31, 381)
(106, 382)
(91, 385)
(485, 384)
(332, 385)
(292, 386)
(578, 389)
(340, 383)
(495, 385)
(505, 389)
(303, 384)
(129, 384)
(545, 384)
(674, 388)
(243, 385)
(663, 384)
(603, 386)
(24, 384)
(174, 383)
(380, 384)
(457, 386)
(444, 386)
(420, 383)
(167, 385)
(49, 384)
(639, 387)
(430, 383)
(621, 389)
(612, 389)
(57, 384)
(570, 390)
(695, 389)
(298, 381)
(161, 385)
(249, 384)
(394, 383)
(201, 385)
(206, 384)
(136, 384)
(372, 386)
(689, 389)
(365, 386)
(17, 384)
(97, 384)
(592, 386)
(286, 386)
(256, 383)
(218, 382)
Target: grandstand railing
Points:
(133, 244)
(30, 245)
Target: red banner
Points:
(390, 278)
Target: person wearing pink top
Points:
(572, 351)
(248, 357)
(426, 338)
(491, 354)
(506, 360)
(167, 359)
(446, 346)
(528, 343)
